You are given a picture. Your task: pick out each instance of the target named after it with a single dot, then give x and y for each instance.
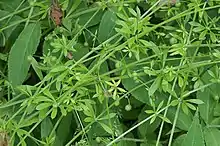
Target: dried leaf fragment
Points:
(56, 13)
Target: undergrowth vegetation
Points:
(109, 72)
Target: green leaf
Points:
(63, 111)
(48, 94)
(154, 86)
(29, 121)
(175, 102)
(58, 69)
(81, 50)
(194, 136)
(217, 110)
(165, 119)
(43, 106)
(54, 113)
(64, 130)
(140, 93)
(202, 34)
(191, 106)
(88, 119)
(110, 116)
(147, 129)
(199, 28)
(7, 33)
(41, 99)
(107, 26)
(73, 6)
(185, 108)
(132, 12)
(10, 5)
(153, 119)
(179, 140)
(151, 45)
(211, 73)
(106, 128)
(215, 121)
(211, 136)
(206, 109)
(24, 46)
(195, 23)
(83, 18)
(46, 127)
(67, 23)
(184, 121)
(196, 101)
(180, 81)
(160, 105)
(149, 111)
(36, 68)
(213, 37)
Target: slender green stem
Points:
(30, 13)
(84, 12)
(14, 13)
(174, 123)
(20, 21)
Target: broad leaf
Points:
(183, 122)
(217, 110)
(64, 130)
(211, 136)
(46, 127)
(140, 93)
(11, 5)
(93, 16)
(147, 129)
(107, 26)
(179, 140)
(206, 109)
(81, 50)
(194, 136)
(73, 6)
(6, 33)
(24, 46)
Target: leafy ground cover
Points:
(109, 72)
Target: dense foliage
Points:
(109, 72)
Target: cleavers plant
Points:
(109, 72)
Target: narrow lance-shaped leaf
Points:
(154, 86)
(24, 46)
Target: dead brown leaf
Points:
(56, 13)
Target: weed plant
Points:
(109, 72)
